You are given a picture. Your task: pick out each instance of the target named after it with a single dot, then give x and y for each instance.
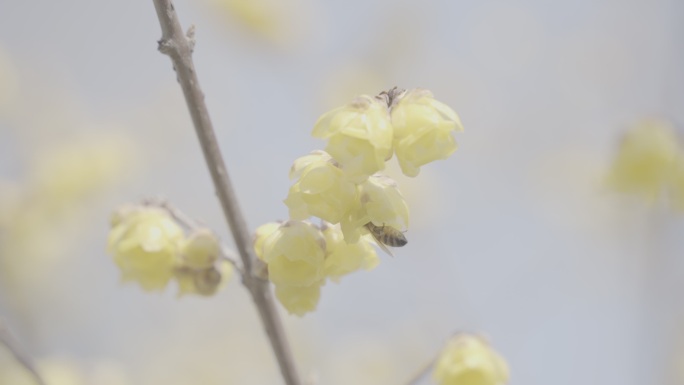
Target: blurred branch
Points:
(8, 339)
(179, 47)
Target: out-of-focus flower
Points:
(469, 360)
(380, 202)
(72, 172)
(145, 245)
(64, 371)
(43, 216)
(321, 191)
(649, 162)
(422, 130)
(201, 249)
(268, 19)
(343, 258)
(359, 136)
(299, 300)
(205, 282)
(295, 254)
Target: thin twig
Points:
(185, 220)
(8, 339)
(178, 47)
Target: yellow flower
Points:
(205, 282)
(379, 202)
(359, 136)
(468, 360)
(321, 190)
(299, 300)
(201, 249)
(145, 246)
(343, 258)
(295, 254)
(422, 130)
(648, 161)
(261, 234)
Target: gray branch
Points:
(8, 339)
(178, 47)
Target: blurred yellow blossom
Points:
(205, 281)
(379, 202)
(71, 172)
(422, 130)
(145, 246)
(343, 258)
(469, 360)
(201, 249)
(299, 300)
(321, 190)
(359, 136)
(42, 215)
(269, 19)
(650, 163)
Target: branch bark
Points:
(8, 339)
(179, 47)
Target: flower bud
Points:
(201, 249)
(205, 282)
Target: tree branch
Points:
(8, 339)
(178, 47)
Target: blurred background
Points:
(516, 236)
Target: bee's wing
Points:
(381, 245)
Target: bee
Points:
(386, 236)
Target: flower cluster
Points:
(343, 188)
(650, 164)
(300, 257)
(469, 360)
(151, 249)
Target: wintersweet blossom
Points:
(649, 162)
(343, 258)
(321, 191)
(261, 234)
(201, 249)
(379, 202)
(145, 243)
(469, 360)
(422, 130)
(295, 254)
(359, 136)
(204, 282)
(299, 300)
